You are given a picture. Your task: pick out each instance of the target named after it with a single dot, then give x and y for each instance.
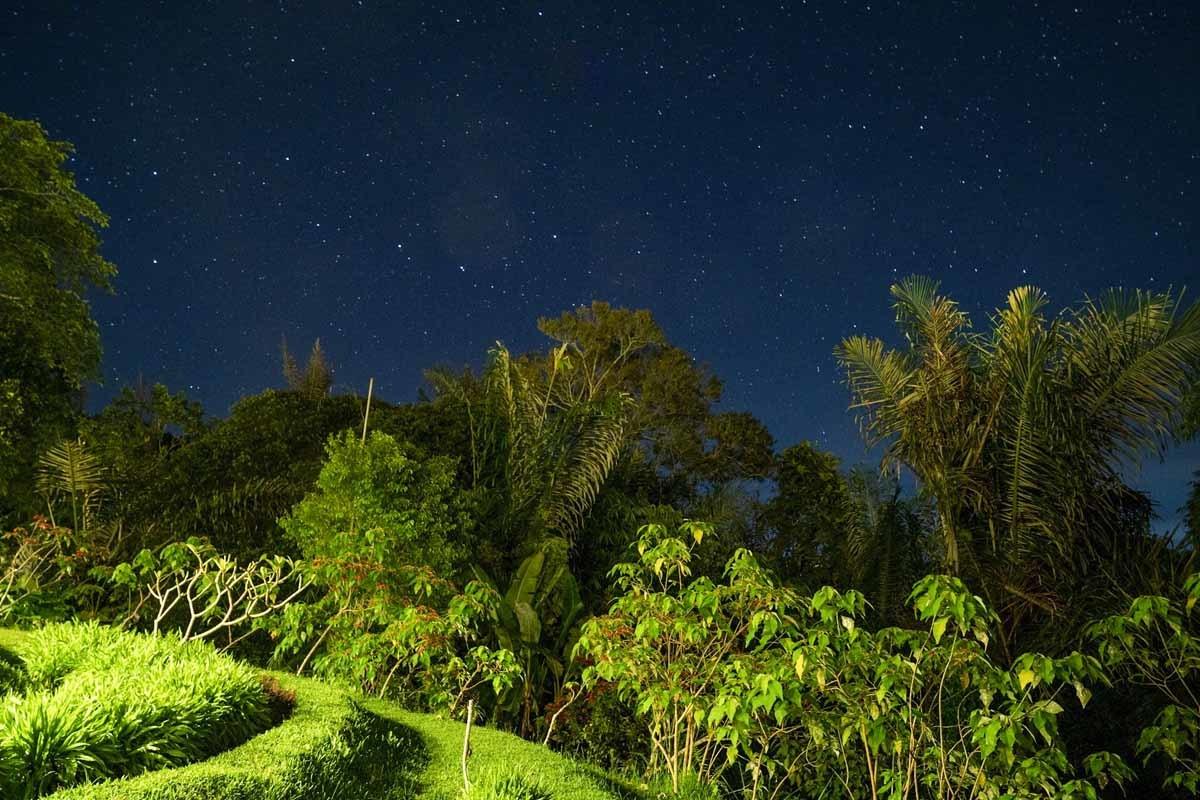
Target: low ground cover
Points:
(501, 766)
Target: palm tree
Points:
(1020, 434)
(884, 541)
(543, 451)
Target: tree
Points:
(382, 530)
(315, 380)
(49, 259)
(539, 452)
(805, 523)
(381, 501)
(1019, 434)
(233, 480)
(547, 421)
(685, 442)
(885, 543)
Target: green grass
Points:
(494, 756)
(338, 747)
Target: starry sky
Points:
(411, 182)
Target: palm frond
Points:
(1132, 362)
(69, 469)
(587, 464)
(879, 382)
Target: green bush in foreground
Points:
(99, 703)
(328, 749)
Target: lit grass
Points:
(94, 703)
(495, 758)
(336, 747)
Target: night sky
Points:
(413, 183)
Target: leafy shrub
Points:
(795, 695)
(1156, 644)
(35, 568)
(101, 703)
(601, 728)
(378, 531)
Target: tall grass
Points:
(96, 703)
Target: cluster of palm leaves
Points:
(884, 541)
(542, 448)
(70, 473)
(542, 451)
(1022, 434)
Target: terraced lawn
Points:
(337, 746)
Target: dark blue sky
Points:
(411, 184)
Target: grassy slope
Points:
(493, 754)
(426, 764)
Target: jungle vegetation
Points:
(578, 545)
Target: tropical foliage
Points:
(1155, 643)
(49, 259)
(1019, 434)
(985, 613)
(777, 692)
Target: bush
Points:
(328, 749)
(746, 683)
(99, 703)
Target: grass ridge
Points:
(336, 746)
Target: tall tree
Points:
(804, 525)
(557, 409)
(49, 259)
(686, 442)
(316, 379)
(1019, 433)
(884, 547)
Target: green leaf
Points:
(525, 582)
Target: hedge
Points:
(327, 749)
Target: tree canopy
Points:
(49, 259)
